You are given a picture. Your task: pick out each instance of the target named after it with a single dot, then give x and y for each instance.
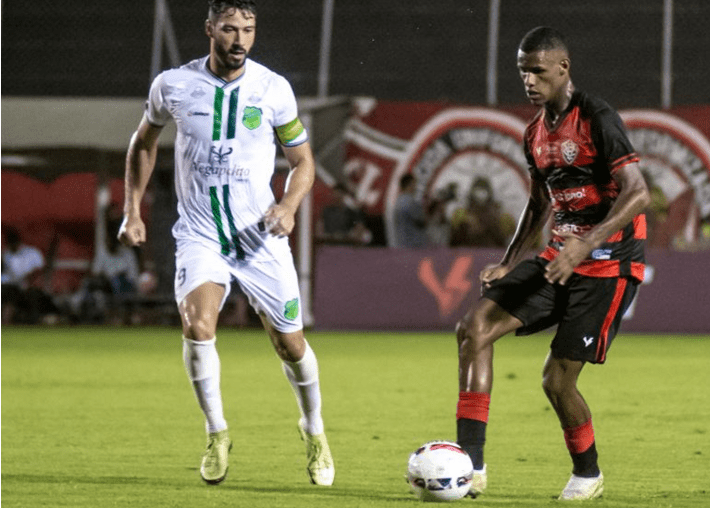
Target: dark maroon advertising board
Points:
(431, 289)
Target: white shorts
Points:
(270, 285)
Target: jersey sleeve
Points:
(609, 135)
(289, 129)
(156, 108)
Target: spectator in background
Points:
(107, 292)
(23, 301)
(343, 221)
(481, 223)
(410, 219)
(438, 226)
(117, 265)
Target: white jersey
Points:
(18, 265)
(225, 152)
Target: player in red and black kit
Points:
(585, 172)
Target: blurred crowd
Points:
(472, 217)
(109, 292)
(118, 287)
(442, 220)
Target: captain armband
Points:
(292, 133)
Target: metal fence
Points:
(635, 54)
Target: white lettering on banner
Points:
(650, 143)
(433, 157)
(672, 145)
(458, 147)
(489, 140)
(364, 174)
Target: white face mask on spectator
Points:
(480, 195)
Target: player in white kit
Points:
(230, 111)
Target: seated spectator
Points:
(438, 227)
(342, 221)
(23, 300)
(111, 286)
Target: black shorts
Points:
(586, 310)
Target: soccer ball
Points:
(439, 471)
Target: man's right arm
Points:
(530, 225)
(140, 161)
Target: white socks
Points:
(303, 376)
(203, 370)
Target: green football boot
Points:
(215, 461)
(321, 470)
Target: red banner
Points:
(452, 148)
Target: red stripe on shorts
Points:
(609, 319)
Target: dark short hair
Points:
(217, 7)
(405, 181)
(12, 235)
(542, 38)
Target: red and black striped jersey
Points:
(576, 160)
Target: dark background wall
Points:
(408, 50)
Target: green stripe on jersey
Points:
(232, 228)
(290, 131)
(217, 216)
(217, 125)
(232, 118)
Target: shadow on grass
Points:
(233, 485)
(99, 480)
(316, 491)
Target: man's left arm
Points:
(633, 199)
(281, 218)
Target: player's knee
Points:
(555, 386)
(200, 329)
(290, 347)
(549, 385)
(474, 333)
(461, 331)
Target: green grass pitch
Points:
(105, 417)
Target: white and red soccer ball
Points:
(439, 471)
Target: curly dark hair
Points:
(217, 7)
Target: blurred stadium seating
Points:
(76, 75)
